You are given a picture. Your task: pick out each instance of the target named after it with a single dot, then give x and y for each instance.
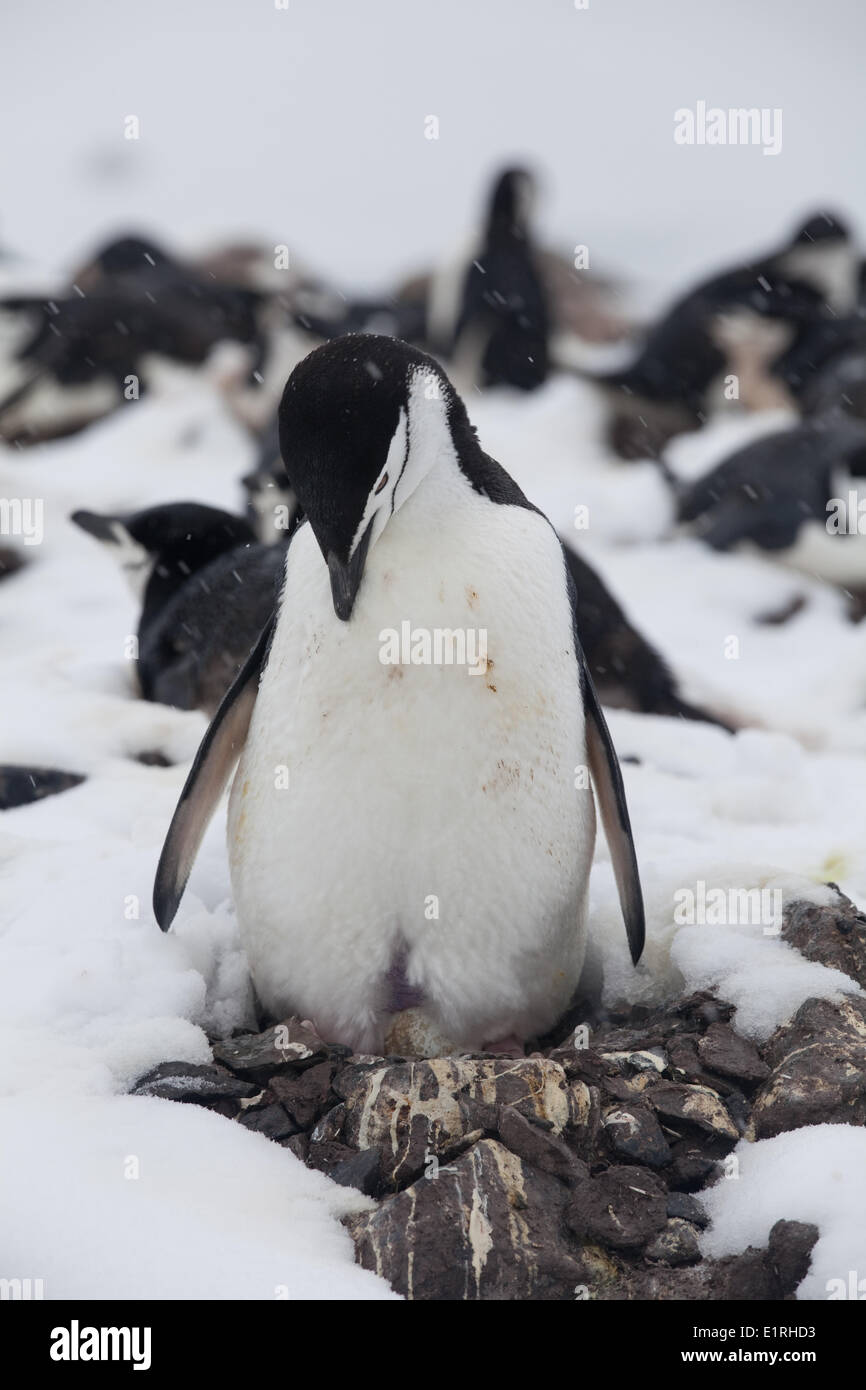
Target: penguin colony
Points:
(372, 501)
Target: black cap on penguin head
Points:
(203, 530)
(823, 227)
(357, 433)
(512, 201)
(171, 528)
(128, 254)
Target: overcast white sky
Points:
(306, 125)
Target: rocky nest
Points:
(574, 1172)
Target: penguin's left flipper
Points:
(607, 780)
(214, 763)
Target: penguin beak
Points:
(346, 576)
(100, 527)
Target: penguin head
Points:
(170, 541)
(512, 202)
(824, 227)
(128, 254)
(363, 420)
(823, 253)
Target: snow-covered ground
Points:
(245, 130)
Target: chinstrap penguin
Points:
(206, 588)
(628, 673)
(750, 322)
(409, 834)
(488, 314)
(774, 494)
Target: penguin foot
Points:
(310, 1025)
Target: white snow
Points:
(813, 1175)
(142, 1198)
(91, 993)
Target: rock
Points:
(153, 757)
(11, 561)
(697, 1106)
(684, 1061)
(629, 1088)
(651, 1061)
(19, 786)
(330, 1125)
(834, 936)
(692, 1163)
(790, 1251)
(327, 1155)
(584, 1064)
(538, 1147)
(676, 1245)
(270, 1120)
(633, 1132)
(606, 1276)
(819, 1069)
(304, 1095)
(687, 1208)
(739, 1109)
(487, 1227)
(724, 1051)
(622, 1208)
(747, 1277)
(260, 1056)
(194, 1083)
(418, 1110)
(362, 1170)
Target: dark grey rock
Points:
(363, 1170)
(539, 1147)
(153, 757)
(834, 936)
(819, 1069)
(194, 1083)
(330, 1125)
(698, 1107)
(790, 1252)
(687, 1208)
(304, 1095)
(676, 1244)
(325, 1156)
(622, 1208)
(634, 1133)
(487, 1227)
(691, 1164)
(298, 1144)
(260, 1056)
(270, 1120)
(415, 1111)
(722, 1050)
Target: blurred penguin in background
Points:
(487, 313)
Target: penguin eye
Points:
(381, 483)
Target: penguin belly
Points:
(404, 834)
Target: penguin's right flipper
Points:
(214, 763)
